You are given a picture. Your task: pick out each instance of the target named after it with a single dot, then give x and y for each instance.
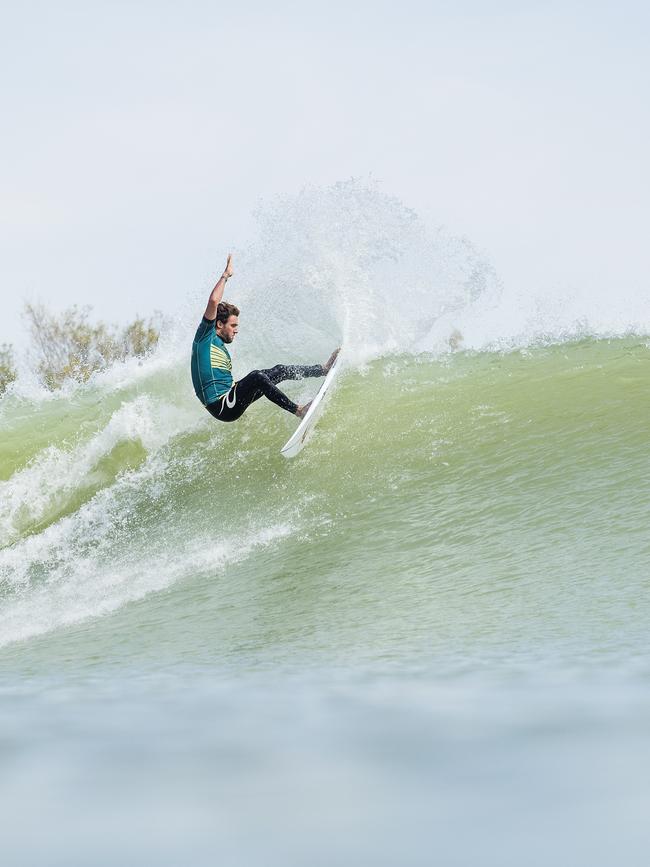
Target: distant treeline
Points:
(68, 346)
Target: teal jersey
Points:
(211, 364)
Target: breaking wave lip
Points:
(58, 472)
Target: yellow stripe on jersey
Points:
(218, 358)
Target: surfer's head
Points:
(227, 322)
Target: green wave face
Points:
(451, 509)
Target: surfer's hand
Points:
(228, 270)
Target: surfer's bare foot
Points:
(330, 361)
(301, 412)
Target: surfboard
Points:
(305, 429)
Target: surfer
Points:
(211, 364)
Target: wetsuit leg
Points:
(293, 371)
(234, 403)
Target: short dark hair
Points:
(225, 311)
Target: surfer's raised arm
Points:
(212, 379)
(217, 293)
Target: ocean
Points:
(422, 641)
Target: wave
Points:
(155, 493)
(124, 486)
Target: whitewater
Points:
(424, 640)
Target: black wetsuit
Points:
(231, 405)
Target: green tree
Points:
(69, 346)
(7, 367)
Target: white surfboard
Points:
(304, 430)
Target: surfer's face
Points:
(227, 330)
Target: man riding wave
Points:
(212, 378)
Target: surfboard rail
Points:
(304, 430)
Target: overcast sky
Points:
(138, 137)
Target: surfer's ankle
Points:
(301, 410)
(330, 361)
